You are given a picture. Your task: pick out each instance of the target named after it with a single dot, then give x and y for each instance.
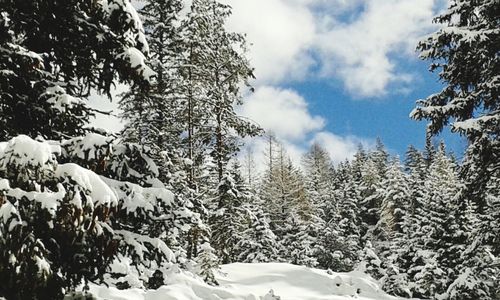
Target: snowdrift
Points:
(255, 281)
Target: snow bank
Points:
(255, 281)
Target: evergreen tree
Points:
(395, 201)
(349, 223)
(258, 243)
(52, 227)
(208, 263)
(465, 51)
(416, 168)
(370, 263)
(227, 222)
(216, 68)
(149, 222)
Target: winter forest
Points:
(175, 192)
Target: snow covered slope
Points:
(254, 282)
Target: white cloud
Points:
(281, 33)
(281, 111)
(285, 113)
(361, 51)
(356, 41)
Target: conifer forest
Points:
(175, 192)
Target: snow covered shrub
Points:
(53, 230)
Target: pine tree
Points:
(437, 247)
(368, 171)
(416, 168)
(149, 223)
(349, 223)
(52, 227)
(63, 224)
(216, 67)
(370, 263)
(395, 201)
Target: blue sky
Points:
(339, 72)
(386, 117)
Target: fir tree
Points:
(318, 176)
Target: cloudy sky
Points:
(340, 72)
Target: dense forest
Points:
(172, 190)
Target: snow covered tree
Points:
(465, 51)
(283, 193)
(151, 114)
(442, 251)
(344, 233)
(54, 229)
(368, 170)
(214, 68)
(55, 52)
(475, 273)
(258, 243)
(370, 263)
(416, 167)
(395, 280)
(149, 222)
(318, 178)
(208, 263)
(227, 221)
(289, 207)
(395, 201)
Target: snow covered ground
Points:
(254, 282)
